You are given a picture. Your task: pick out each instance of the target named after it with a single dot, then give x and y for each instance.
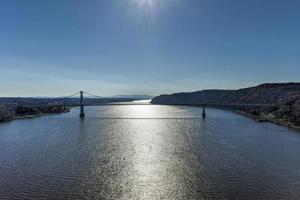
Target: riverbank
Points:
(9, 113)
(265, 118)
(34, 116)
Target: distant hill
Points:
(284, 96)
(268, 93)
(134, 96)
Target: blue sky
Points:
(151, 47)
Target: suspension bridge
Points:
(82, 99)
(93, 101)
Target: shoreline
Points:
(256, 118)
(248, 115)
(20, 117)
(266, 119)
(34, 116)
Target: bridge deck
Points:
(149, 104)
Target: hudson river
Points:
(148, 152)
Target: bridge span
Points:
(82, 104)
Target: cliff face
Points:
(284, 96)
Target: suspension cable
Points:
(65, 97)
(93, 95)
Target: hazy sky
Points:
(57, 47)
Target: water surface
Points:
(148, 152)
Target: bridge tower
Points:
(203, 112)
(203, 106)
(81, 115)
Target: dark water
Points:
(225, 157)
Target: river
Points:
(148, 152)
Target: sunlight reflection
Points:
(149, 165)
(154, 161)
(142, 111)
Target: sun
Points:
(145, 5)
(148, 10)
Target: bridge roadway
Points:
(149, 104)
(222, 106)
(82, 104)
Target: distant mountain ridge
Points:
(284, 98)
(134, 96)
(267, 93)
